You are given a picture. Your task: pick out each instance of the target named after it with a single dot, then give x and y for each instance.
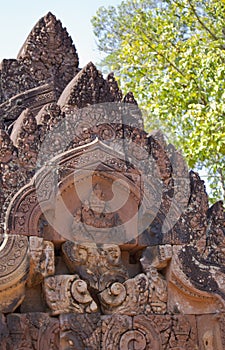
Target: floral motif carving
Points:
(139, 295)
(33, 332)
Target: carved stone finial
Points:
(49, 52)
(87, 88)
(48, 58)
(6, 147)
(114, 88)
(129, 98)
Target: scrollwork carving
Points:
(133, 338)
(139, 295)
(66, 294)
(99, 265)
(123, 332)
(36, 331)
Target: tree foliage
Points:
(171, 54)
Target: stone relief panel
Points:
(33, 331)
(89, 280)
(14, 267)
(139, 295)
(38, 331)
(153, 332)
(98, 265)
(80, 332)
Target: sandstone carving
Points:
(42, 260)
(107, 241)
(80, 332)
(66, 294)
(99, 266)
(13, 271)
(139, 295)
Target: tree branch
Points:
(177, 69)
(222, 180)
(201, 22)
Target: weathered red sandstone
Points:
(86, 274)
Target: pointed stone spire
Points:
(48, 56)
(114, 88)
(49, 42)
(50, 52)
(87, 88)
(129, 98)
(25, 125)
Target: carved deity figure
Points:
(95, 222)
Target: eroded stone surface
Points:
(106, 240)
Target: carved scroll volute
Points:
(81, 295)
(66, 293)
(129, 298)
(133, 338)
(125, 333)
(113, 296)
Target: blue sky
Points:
(17, 18)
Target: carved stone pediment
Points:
(89, 217)
(106, 240)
